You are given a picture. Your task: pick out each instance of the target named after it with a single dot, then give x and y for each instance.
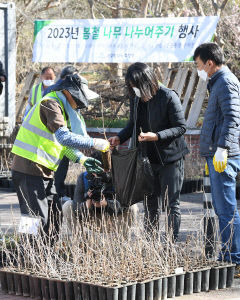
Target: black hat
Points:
(69, 70)
(77, 86)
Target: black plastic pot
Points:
(10, 283)
(69, 292)
(164, 288)
(214, 278)
(222, 283)
(102, 293)
(61, 289)
(179, 284)
(3, 280)
(77, 291)
(85, 291)
(171, 289)
(112, 293)
(200, 185)
(140, 291)
(18, 284)
(53, 289)
(194, 184)
(205, 280)
(25, 285)
(197, 280)
(131, 292)
(45, 289)
(149, 290)
(230, 275)
(123, 291)
(93, 292)
(37, 287)
(188, 283)
(31, 286)
(157, 289)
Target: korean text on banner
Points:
(121, 40)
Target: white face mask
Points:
(48, 82)
(202, 74)
(137, 92)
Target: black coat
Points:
(163, 115)
(2, 73)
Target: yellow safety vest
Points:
(35, 142)
(36, 93)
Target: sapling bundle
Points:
(106, 251)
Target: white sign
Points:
(121, 40)
(29, 225)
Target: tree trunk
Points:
(144, 7)
(116, 68)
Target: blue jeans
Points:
(223, 188)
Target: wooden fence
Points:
(185, 81)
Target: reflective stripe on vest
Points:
(36, 93)
(37, 130)
(40, 152)
(35, 142)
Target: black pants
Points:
(167, 188)
(37, 197)
(60, 176)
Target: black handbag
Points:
(131, 171)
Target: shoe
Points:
(237, 271)
(64, 199)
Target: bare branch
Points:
(218, 9)
(144, 8)
(117, 8)
(224, 4)
(198, 7)
(91, 4)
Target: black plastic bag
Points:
(132, 175)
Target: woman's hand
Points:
(102, 203)
(147, 137)
(88, 203)
(114, 141)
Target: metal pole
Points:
(209, 218)
(6, 58)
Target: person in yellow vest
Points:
(37, 92)
(46, 135)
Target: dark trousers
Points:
(167, 187)
(37, 197)
(60, 176)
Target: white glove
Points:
(220, 160)
(101, 145)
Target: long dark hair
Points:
(141, 76)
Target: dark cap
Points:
(69, 70)
(77, 86)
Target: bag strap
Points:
(134, 134)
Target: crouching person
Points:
(94, 200)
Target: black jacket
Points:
(163, 115)
(2, 73)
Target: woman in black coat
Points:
(160, 123)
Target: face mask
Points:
(137, 92)
(202, 74)
(48, 82)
